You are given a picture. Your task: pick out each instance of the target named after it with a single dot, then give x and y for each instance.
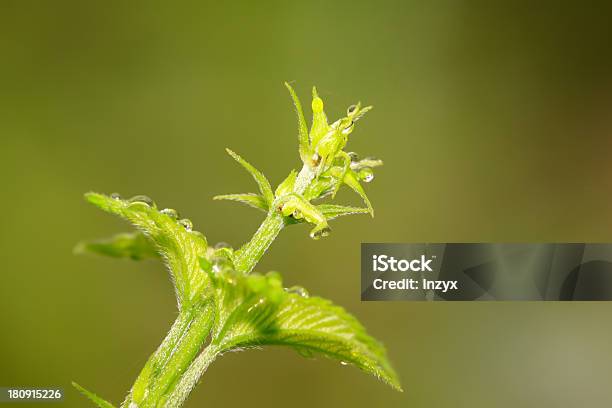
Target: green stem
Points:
(165, 368)
(247, 257)
(175, 368)
(191, 377)
(303, 179)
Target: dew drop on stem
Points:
(116, 196)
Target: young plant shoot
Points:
(223, 305)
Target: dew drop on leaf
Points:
(304, 352)
(317, 234)
(116, 196)
(348, 129)
(217, 265)
(298, 290)
(172, 213)
(344, 363)
(142, 199)
(366, 174)
(186, 223)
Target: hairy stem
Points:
(165, 368)
(191, 377)
(247, 257)
(303, 179)
(175, 368)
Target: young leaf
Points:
(174, 240)
(319, 188)
(93, 397)
(366, 162)
(352, 181)
(286, 186)
(304, 146)
(250, 199)
(254, 310)
(331, 211)
(297, 206)
(319, 126)
(134, 245)
(262, 181)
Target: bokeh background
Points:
(494, 121)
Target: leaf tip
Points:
(79, 249)
(101, 403)
(394, 382)
(92, 196)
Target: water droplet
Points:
(323, 232)
(344, 363)
(170, 212)
(348, 129)
(220, 263)
(186, 223)
(354, 156)
(366, 174)
(304, 352)
(116, 196)
(298, 290)
(142, 199)
(351, 109)
(222, 244)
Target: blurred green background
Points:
(494, 121)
